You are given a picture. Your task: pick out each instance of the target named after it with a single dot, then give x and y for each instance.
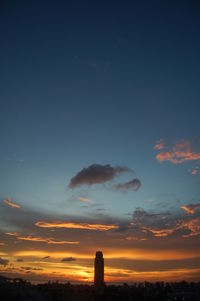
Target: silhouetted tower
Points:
(99, 270)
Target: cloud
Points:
(160, 232)
(153, 224)
(3, 261)
(97, 174)
(19, 260)
(193, 226)
(68, 259)
(159, 145)
(133, 184)
(181, 152)
(31, 269)
(46, 257)
(191, 209)
(140, 215)
(195, 171)
(47, 240)
(73, 225)
(85, 200)
(12, 204)
(12, 233)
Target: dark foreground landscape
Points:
(19, 289)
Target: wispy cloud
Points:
(159, 145)
(193, 226)
(12, 204)
(192, 208)
(19, 260)
(3, 261)
(195, 171)
(31, 269)
(147, 224)
(181, 152)
(85, 200)
(141, 216)
(12, 233)
(47, 240)
(130, 185)
(73, 225)
(160, 232)
(46, 257)
(68, 259)
(97, 174)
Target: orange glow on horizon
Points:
(85, 273)
(133, 254)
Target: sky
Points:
(100, 144)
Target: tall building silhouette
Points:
(99, 270)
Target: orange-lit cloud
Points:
(191, 209)
(12, 204)
(180, 153)
(193, 226)
(12, 233)
(188, 209)
(161, 232)
(159, 145)
(47, 240)
(71, 225)
(86, 200)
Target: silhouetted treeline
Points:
(21, 290)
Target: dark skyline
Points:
(100, 144)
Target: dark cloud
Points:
(142, 218)
(19, 260)
(67, 259)
(123, 226)
(46, 257)
(133, 185)
(3, 261)
(97, 174)
(141, 215)
(164, 224)
(31, 269)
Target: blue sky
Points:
(99, 82)
(87, 83)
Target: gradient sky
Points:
(100, 144)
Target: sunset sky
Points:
(100, 140)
